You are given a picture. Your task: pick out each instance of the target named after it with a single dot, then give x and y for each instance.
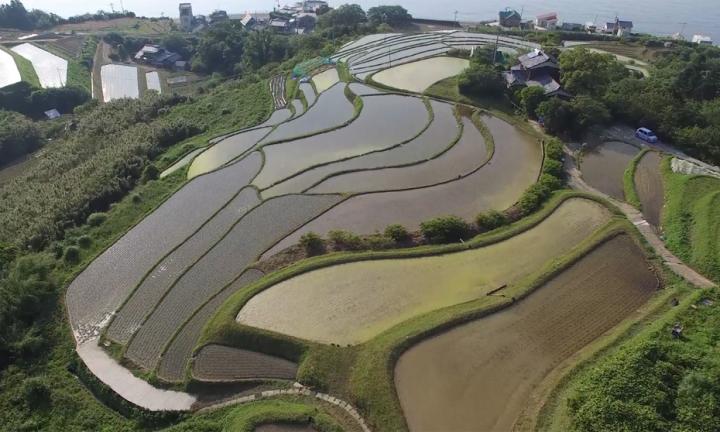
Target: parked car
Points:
(647, 135)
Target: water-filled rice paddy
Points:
(254, 233)
(332, 109)
(153, 81)
(326, 79)
(384, 121)
(299, 108)
(432, 141)
(225, 151)
(461, 159)
(102, 287)
(514, 166)
(129, 318)
(309, 93)
(277, 117)
(182, 162)
(119, 81)
(603, 166)
(9, 73)
(178, 353)
(649, 187)
(364, 90)
(351, 303)
(222, 363)
(479, 376)
(50, 69)
(418, 76)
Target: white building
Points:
(186, 17)
(546, 21)
(702, 40)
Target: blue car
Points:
(646, 135)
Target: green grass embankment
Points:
(631, 195)
(691, 219)
(27, 72)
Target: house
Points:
(568, 26)
(618, 27)
(509, 18)
(702, 40)
(313, 5)
(218, 16)
(248, 21)
(536, 68)
(157, 56)
(280, 25)
(546, 21)
(305, 21)
(186, 17)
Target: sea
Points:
(660, 17)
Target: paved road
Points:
(674, 263)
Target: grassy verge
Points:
(27, 72)
(691, 219)
(631, 195)
(447, 89)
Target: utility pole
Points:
(682, 30)
(455, 19)
(112, 8)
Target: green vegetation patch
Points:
(631, 195)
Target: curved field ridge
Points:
(51, 70)
(156, 284)
(225, 151)
(176, 357)
(497, 185)
(351, 303)
(649, 187)
(432, 141)
(603, 167)
(309, 92)
(182, 162)
(384, 121)
(331, 109)
(254, 233)
(418, 76)
(9, 73)
(102, 287)
(325, 80)
(222, 363)
(478, 376)
(460, 160)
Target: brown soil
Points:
(649, 187)
(478, 376)
(221, 363)
(603, 167)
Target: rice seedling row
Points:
(222, 363)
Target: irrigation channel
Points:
(354, 157)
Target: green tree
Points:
(343, 20)
(587, 111)
(589, 73)
(18, 136)
(394, 16)
(556, 115)
(312, 243)
(482, 81)
(530, 98)
(397, 232)
(490, 220)
(221, 48)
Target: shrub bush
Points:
(36, 392)
(312, 243)
(345, 240)
(151, 172)
(553, 168)
(397, 232)
(378, 242)
(85, 241)
(72, 255)
(446, 229)
(490, 220)
(97, 219)
(136, 198)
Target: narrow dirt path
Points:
(575, 181)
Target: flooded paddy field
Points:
(351, 303)
(325, 80)
(277, 117)
(223, 363)
(184, 161)
(225, 151)
(178, 353)
(432, 141)
(385, 121)
(50, 69)
(309, 93)
(603, 166)
(479, 376)
(254, 233)
(298, 106)
(649, 187)
(514, 166)
(332, 109)
(156, 284)
(461, 159)
(9, 73)
(119, 81)
(102, 287)
(418, 76)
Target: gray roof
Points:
(548, 83)
(535, 59)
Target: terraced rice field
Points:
(649, 187)
(384, 121)
(284, 427)
(432, 141)
(225, 151)
(418, 76)
(253, 234)
(299, 108)
(51, 70)
(184, 161)
(514, 166)
(603, 167)
(153, 81)
(221, 363)
(9, 73)
(325, 80)
(309, 93)
(103, 286)
(479, 376)
(119, 81)
(351, 303)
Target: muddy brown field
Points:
(649, 187)
(478, 376)
(603, 167)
